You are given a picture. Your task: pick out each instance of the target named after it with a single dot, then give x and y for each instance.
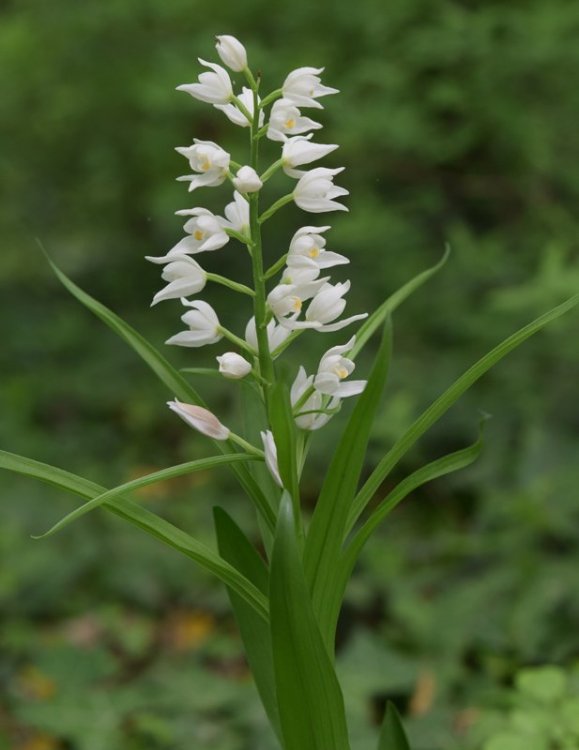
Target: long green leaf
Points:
(235, 548)
(392, 734)
(376, 320)
(445, 401)
(327, 528)
(145, 520)
(158, 476)
(170, 376)
(310, 701)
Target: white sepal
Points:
(247, 180)
(213, 88)
(270, 450)
(315, 191)
(303, 87)
(203, 325)
(184, 276)
(285, 120)
(299, 150)
(236, 115)
(209, 160)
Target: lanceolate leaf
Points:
(309, 696)
(158, 476)
(392, 735)
(144, 519)
(444, 402)
(171, 377)
(445, 465)
(327, 528)
(235, 548)
(373, 323)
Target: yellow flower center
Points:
(297, 304)
(205, 165)
(289, 124)
(341, 372)
(314, 252)
(198, 235)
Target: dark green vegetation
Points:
(457, 123)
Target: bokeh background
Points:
(457, 123)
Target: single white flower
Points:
(298, 150)
(285, 119)
(214, 88)
(303, 87)
(184, 276)
(309, 243)
(333, 369)
(247, 180)
(276, 335)
(203, 325)
(209, 160)
(327, 305)
(299, 283)
(206, 233)
(237, 214)
(270, 449)
(232, 52)
(236, 115)
(310, 416)
(315, 191)
(200, 419)
(234, 366)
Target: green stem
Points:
(283, 201)
(284, 345)
(236, 340)
(277, 94)
(242, 108)
(246, 446)
(277, 266)
(236, 286)
(271, 170)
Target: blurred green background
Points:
(457, 123)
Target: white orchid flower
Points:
(299, 283)
(237, 214)
(247, 180)
(276, 335)
(298, 150)
(209, 160)
(236, 115)
(333, 369)
(285, 120)
(203, 325)
(327, 305)
(233, 366)
(232, 52)
(307, 242)
(303, 87)
(206, 233)
(184, 276)
(311, 414)
(214, 88)
(270, 449)
(315, 191)
(200, 419)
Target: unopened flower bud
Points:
(232, 52)
(247, 180)
(200, 419)
(234, 366)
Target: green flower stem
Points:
(242, 108)
(262, 131)
(271, 170)
(283, 201)
(234, 164)
(246, 446)
(236, 340)
(259, 305)
(302, 400)
(277, 94)
(236, 286)
(277, 266)
(253, 85)
(290, 339)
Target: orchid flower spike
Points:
(214, 88)
(200, 419)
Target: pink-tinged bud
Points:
(200, 419)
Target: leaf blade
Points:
(171, 472)
(145, 520)
(392, 734)
(309, 696)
